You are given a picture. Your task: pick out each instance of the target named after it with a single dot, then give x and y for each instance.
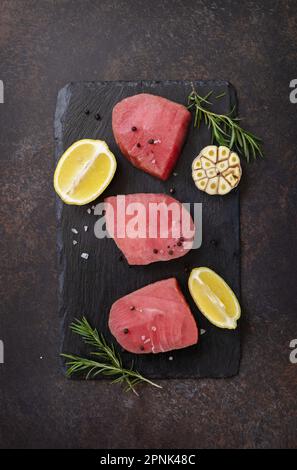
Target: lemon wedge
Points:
(214, 298)
(84, 171)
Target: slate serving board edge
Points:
(64, 97)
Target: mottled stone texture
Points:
(44, 45)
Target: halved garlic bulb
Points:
(216, 170)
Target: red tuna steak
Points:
(150, 131)
(149, 227)
(153, 319)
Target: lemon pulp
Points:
(84, 171)
(214, 298)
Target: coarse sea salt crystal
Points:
(202, 331)
(84, 255)
(89, 211)
(170, 358)
(147, 340)
(74, 242)
(154, 328)
(73, 230)
(143, 338)
(86, 228)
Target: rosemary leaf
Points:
(221, 95)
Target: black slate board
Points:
(90, 287)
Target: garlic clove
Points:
(222, 166)
(212, 187)
(196, 165)
(206, 164)
(201, 184)
(234, 159)
(211, 173)
(210, 152)
(199, 174)
(224, 186)
(223, 153)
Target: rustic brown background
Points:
(45, 44)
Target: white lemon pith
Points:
(84, 171)
(214, 298)
(216, 170)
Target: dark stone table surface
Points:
(44, 45)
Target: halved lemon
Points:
(84, 171)
(214, 298)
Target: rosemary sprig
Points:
(109, 363)
(225, 128)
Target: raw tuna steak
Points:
(149, 227)
(150, 131)
(153, 319)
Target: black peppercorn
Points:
(151, 141)
(132, 307)
(97, 117)
(133, 128)
(138, 145)
(125, 330)
(170, 252)
(155, 251)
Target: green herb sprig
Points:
(225, 128)
(109, 363)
